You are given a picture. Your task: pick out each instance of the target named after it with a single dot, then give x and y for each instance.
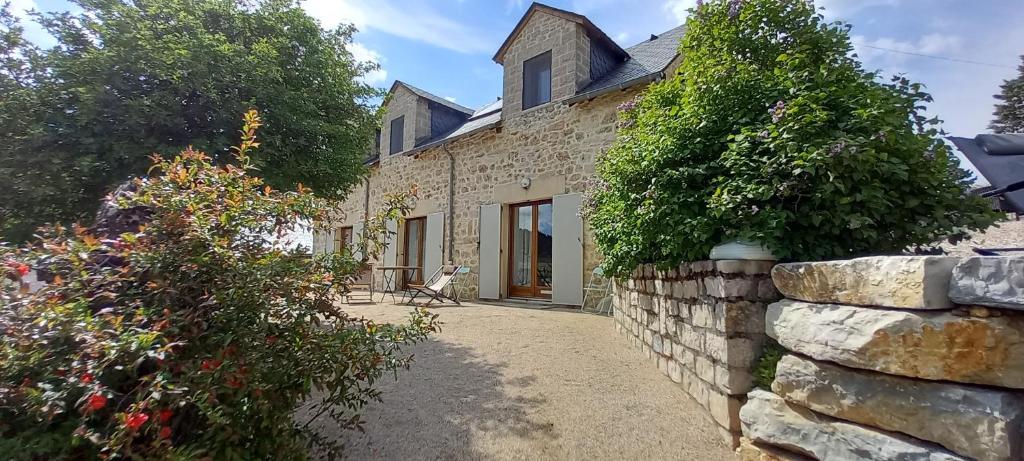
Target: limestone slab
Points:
(989, 281)
(919, 344)
(752, 451)
(908, 282)
(982, 423)
(768, 419)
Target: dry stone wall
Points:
(894, 358)
(703, 324)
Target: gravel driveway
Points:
(514, 383)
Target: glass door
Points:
(530, 244)
(414, 232)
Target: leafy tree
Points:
(129, 78)
(771, 131)
(1010, 113)
(179, 327)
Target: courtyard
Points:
(514, 383)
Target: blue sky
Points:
(445, 46)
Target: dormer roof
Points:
(430, 97)
(595, 33)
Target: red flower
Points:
(165, 432)
(96, 402)
(209, 364)
(165, 415)
(86, 378)
(233, 382)
(271, 339)
(135, 420)
(22, 269)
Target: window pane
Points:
(397, 134)
(537, 80)
(522, 248)
(413, 244)
(544, 239)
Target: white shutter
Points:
(567, 249)
(433, 244)
(329, 240)
(391, 250)
(357, 239)
(490, 251)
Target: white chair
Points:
(599, 287)
(460, 284)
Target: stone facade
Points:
(570, 59)
(417, 119)
(900, 379)
(703, 323)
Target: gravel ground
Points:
(514, 383)
(1007, 234)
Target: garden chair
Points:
(598, 288)
(436, 285)
(460, 284)
(362, 281)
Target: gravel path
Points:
(513, 383)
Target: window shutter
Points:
(433, 244)
(490, 251)
(567, 250)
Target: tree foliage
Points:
(771, 131)
(1010, 112)
(179, 327)
(129, 78)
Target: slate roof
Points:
(645, 58)
(431, 96)
(484, 118)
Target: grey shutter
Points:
(433, 244)
(490, 251)
(567, 250)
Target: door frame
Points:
(418, 276)
(534, 291)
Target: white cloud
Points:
(450, 98)
(363, 54)
(19, 8)
(415, 22)
(621, 37)
(679, 8)
(845, 8)
(891, 54)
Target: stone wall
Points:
(556, 146)
(894, 358)
(703, 324)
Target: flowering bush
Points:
(178, 327)
(771, 131)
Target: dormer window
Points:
(537, 80)
(397, 135)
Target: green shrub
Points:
(177, 327)
(764, 374)
(771, 131)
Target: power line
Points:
(942, 58)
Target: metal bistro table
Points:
(391, 284)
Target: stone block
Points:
(733, 381)
(918, 344)
(981, 423)
(713, 286)
(705, 368)
(907, 282)
(753, 451)
(767, 418)
(745, 288)
(739, 317)
(994, 281)
(740, 266)
(662, 364)
(725, 410)
(736, 352)
(675, 372)
(703, 314)
(656, 343)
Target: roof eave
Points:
(618, 87)
(440, 142)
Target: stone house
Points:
(500, 187)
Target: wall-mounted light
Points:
(524, 182)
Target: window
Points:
(537, 80)
(397, 134)
(342, 238)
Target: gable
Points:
(595, 34)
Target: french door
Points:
(415, 229)
(530, 240)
